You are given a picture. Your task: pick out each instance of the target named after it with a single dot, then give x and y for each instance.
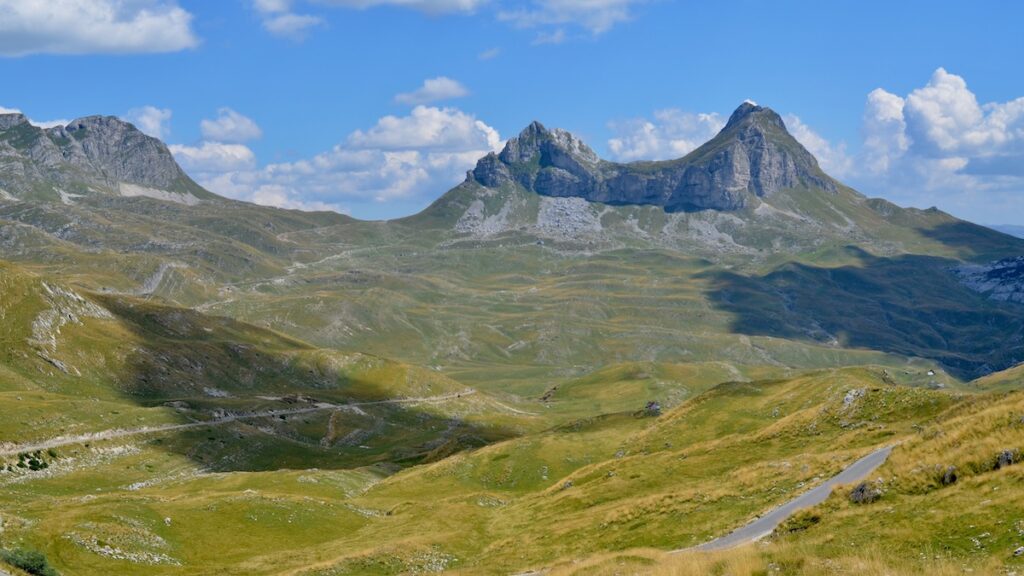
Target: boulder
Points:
(865, 493)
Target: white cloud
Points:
(944, 118)
(832, 158)
(50, 123)
(293, 26)
(885, 131)
(427, 128)
(433, 90)
(400, 157)
(230, 126)
(556, 36)
(429, 6)
(672, 134)
(596, 16)
(939, 146)
(489, 54)
(151, 120)
(93, 26)
(214, 157)
(279, 19)
(41, 124)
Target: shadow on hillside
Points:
(202, 366)
(975, 243)
(909, 305)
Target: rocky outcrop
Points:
(96, 153)
(752, 157)
(1002, 280)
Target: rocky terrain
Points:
(753, 157)
(1002, 280)
(96, 154)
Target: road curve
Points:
(764, 525)
(12, 449)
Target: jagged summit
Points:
(536, 139)
(750, 111)
(753, 157)
(93, 154)
(8, 121)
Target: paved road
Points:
(764, 525)
(12, 449)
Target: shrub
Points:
(30, 561)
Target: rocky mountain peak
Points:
(753, 157)
(537, 141)
(94, 153)
(750, 112)
(8, 121)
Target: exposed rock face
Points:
(1002, 280)
(752, 157)
(93, 153)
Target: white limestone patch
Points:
(134, 190)
(66, 307)
(476, 221)
(567, 217)
(767, 211)
(67, 198)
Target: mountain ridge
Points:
(752, 157)
(92, 154)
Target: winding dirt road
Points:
(12, 449)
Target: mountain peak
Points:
(749, 111)
(8, 121)
(89, 154)
(536, 140)
(752, 157)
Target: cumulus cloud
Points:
(885, 131)
(400, 157)
(151, 120)
(596, 16)
(938, 146)
(671, 134)
(210, 157)
(427, 128)
(832, 158)
(230, 126)
(433, 90)
(93, 26)
(279, 19)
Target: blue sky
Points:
(376, 107)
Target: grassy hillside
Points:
(580, 497)
(329, 476)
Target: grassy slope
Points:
(609, 481)
(124, 363)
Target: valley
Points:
(564, 365)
